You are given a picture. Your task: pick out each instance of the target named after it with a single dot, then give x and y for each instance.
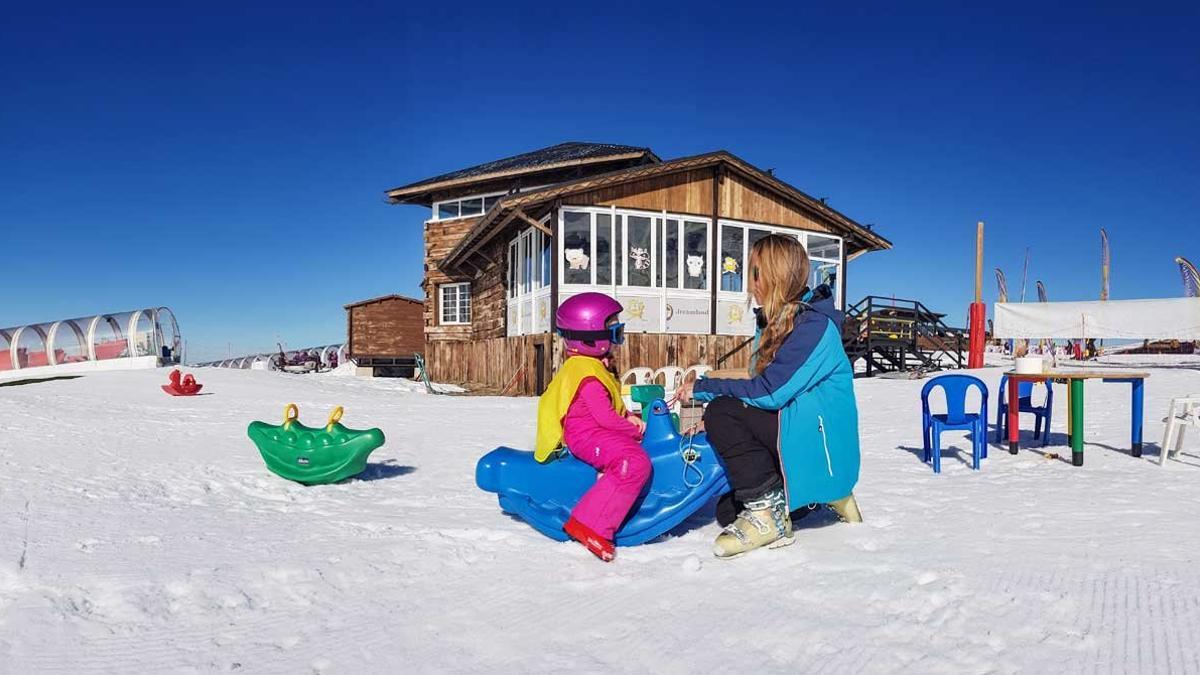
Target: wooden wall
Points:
(388, 327)
(440, 238)
(687, 192)
(741, 199)
(496, 363)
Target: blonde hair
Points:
(780, 265)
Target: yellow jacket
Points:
(559, 394)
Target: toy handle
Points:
(334, 418)
(291, 413)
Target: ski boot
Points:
(846, 509)
(599, 546)
(763, 522)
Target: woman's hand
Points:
(639, 423)
(684, 393)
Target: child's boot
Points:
(763, 522)
(846, 509)
(599, 546)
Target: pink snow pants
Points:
(624, 469)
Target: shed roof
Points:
(561, 155)
(512, 206)
(381, 298)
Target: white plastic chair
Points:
(1183, 413)
(640, 376)
(672, 377)
(697, 371)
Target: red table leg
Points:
(1014, 429)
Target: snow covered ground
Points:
(142, 533)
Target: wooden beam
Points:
(521, 214)
(554, 272)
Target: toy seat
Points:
(632, 378)
(1025, 405)
(956, 417)
(314, 455)
(1183, 413)
(687, 474)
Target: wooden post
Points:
(978, 311)
(554, 265)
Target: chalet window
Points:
(577, 248)
(695, 255)
(455, 303)
(670, 259)
(447, 210)
(471, 207)
(731, 258)
(529, 283)
(489, 201)
(638, 260)
(603, 263)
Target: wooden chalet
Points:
(508, 240)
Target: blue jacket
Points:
(811, 383)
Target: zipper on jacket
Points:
(825, 442)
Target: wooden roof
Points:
(515, 205)
(381, 298)
(559, 156)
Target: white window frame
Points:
(442, 288)
(743, 296)
(433, 218)
(525, 293)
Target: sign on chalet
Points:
(508, 240)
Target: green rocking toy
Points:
(314, 456)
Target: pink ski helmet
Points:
(581, 320)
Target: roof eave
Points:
(406, 194)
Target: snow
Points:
(141, 532)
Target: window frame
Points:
(442, 306)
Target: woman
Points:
(788, 435)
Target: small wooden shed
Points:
(384, 334)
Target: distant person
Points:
(788, 434)
(582, 407)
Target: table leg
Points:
(1136, 426)
(1014, 426)
(1069, 409)
(1077, 422)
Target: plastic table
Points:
(1075, 380)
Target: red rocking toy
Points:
(186, 387)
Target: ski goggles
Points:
(615, 334)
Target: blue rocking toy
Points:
(687, 475)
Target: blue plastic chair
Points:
(1025, 405)
(956, 417)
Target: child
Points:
(582, 408)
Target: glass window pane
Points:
(753, 236)
(825, 273)
(447, 210)
(577, 247)
(143, 336)
(109, 340)
(527, 263)
(171, 344)
(603, 248)
(695, 254)
(513, 261)
(31, 348)
(618, 251)
(546, 242)
(70, 342)
(639, 250)
(472, 207)
(824, 247)
(731, 258)
(670, 266)
(5, 350)
(488, 202)
(535, 247)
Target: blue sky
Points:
(230, 161)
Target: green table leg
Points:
(1077, 422)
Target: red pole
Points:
(978, 312)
